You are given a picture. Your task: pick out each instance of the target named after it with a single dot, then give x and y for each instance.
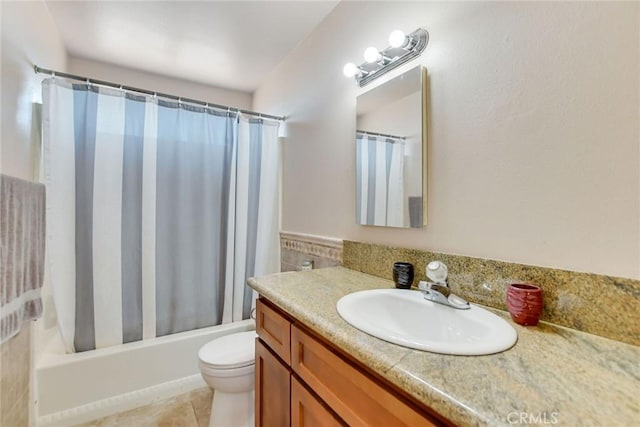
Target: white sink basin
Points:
(405, 318)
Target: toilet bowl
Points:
(227, 365)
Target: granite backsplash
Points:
(597, 304)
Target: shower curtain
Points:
(379, 180)
(157, 213)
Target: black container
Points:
(403, 274)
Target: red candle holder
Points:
(524, 303)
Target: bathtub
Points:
(75, 388)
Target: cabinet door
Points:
(273, 389)
(307, 411)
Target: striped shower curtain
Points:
(380, 180)
(157, 213)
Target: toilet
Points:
(227, 365)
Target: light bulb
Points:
(350, 69)
(397, 38)
(372, 55)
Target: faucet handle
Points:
(424, 285)
(437, 272)
(427, 287)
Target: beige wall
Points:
(156, 82)
(534, 130)
(29, 37)
(15, 379)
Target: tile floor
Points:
(186, 410)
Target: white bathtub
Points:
(75, 388)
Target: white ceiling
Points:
(230, 44)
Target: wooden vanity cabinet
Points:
(301, 380)
(273, 371)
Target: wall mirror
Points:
(391, 152)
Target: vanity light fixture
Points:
(403, 48)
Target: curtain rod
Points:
(53, 73)
(384, 135)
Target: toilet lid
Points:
(230, 351)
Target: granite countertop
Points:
(553, 375)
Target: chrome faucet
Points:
(438, 289)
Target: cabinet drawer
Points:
(307, 410)
(354, 396)
(274, 329)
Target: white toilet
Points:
(227, 365)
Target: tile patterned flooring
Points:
(186, 410)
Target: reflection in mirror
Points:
(390, 153)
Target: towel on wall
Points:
(22, 247)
